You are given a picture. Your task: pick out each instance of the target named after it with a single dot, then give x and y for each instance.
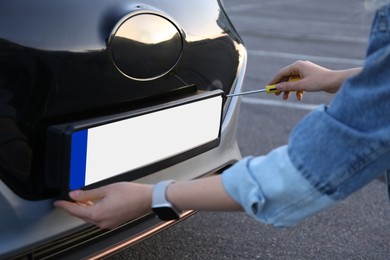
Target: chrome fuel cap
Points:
(146, 46)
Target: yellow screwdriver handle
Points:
(272, 88)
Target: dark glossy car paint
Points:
(64, 61)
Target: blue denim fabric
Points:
(332, 152)
(271, 190)
(344, 146)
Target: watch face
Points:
(166, 213)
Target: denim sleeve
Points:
(271, 190)
(341, 148)
(332, 152)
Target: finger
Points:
(279, 78)
(79, 210)
(75, 209)
(285, 73)
(286, 95)
(299, 95)
(88, 195)
(291, 86)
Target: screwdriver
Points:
(268, 89)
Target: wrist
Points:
(161, 205)
(340, 76)
(147, 194)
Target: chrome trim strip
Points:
(141, 236)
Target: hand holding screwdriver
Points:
(304, 76)
(312, 78)
(268, 89)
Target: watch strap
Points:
(160, 205)
(159, 193)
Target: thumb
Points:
(290, 86)
(87, 195)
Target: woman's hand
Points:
(114, 204)
(111, 205)
(312, 78)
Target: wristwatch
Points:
(160, 205)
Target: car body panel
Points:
(57, 67)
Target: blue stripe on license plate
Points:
(78, 159)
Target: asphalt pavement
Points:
(334, 34)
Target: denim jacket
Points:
(332, 152)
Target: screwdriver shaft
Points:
(247, 92)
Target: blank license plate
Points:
(101, 152)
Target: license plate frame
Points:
(72, 146)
